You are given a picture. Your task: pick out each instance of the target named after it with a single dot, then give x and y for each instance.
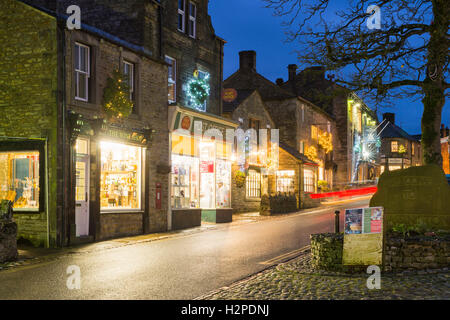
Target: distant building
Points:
(445, 149)
(399, 150)
(355, 156)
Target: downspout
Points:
(161, 51)
(63, 107)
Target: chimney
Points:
(389, 117)
(292, 71)
(247, 60)
(279, 82)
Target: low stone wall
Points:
(114, 225)
(326, 251)
(8, 241)
(399, 254)
(420, 253)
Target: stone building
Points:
(101, 177)
(80, 175)
(303, 129)
(398, 149)
(355, 155)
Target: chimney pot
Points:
(247, 60)
(389, 117)
(292, 68)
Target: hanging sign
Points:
(363, 236)
(229, 94)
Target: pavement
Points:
(296, 280)
(176, 265)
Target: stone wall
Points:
(113, 225)
(420, 253)
(8, 241)
(326, 251)
(398, 254)
(28, 99)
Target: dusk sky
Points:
(247, 25)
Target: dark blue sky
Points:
(247, 25)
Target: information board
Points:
(363, 236)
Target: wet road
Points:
(175, 268)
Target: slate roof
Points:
(241, 96)
(296, 154)
(393, 131)
(250, 80)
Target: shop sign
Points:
(363, 236)
(185, 122)
(392, 160)
(122, 134)
(207, 167)
(229, 95)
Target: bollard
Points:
(336, 221)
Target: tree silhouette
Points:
(406, 56)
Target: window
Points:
(121, 167)
(19, 179)
(394, 146)
(285, 181)
(253, 184)
(181, 15)
(192, 19)
(302, 147)
(172, 79)
(82, 72)
(314, 133)
(308, 181)
(128, 71)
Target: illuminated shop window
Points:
(223, 184)
(185, 182)
(19, 179)
(285, 181)
(120, 176)
(253, 184)
(308, 181)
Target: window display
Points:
(19, 179)
(185, 182)
(223, 179)
(285, 181)
(121, 176)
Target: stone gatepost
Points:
(8, 233)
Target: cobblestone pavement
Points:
(295, 280)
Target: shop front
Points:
(110, 181)
(200, 182)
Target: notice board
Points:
(363, 236)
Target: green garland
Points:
(116, 101)
(198, 90)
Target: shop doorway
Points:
(207, 170)
(82, 188)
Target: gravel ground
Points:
(295, 280)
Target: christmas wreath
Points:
(116, 97)
(198, 90)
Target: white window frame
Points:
(308, 181)
(183, 14)
(131, 78)
(78, 71)
(172, 81)
(253, 184)
(192, 18)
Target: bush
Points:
(283, 203)
(323, 186)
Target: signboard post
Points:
(363, 237)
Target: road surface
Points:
(182, 267)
